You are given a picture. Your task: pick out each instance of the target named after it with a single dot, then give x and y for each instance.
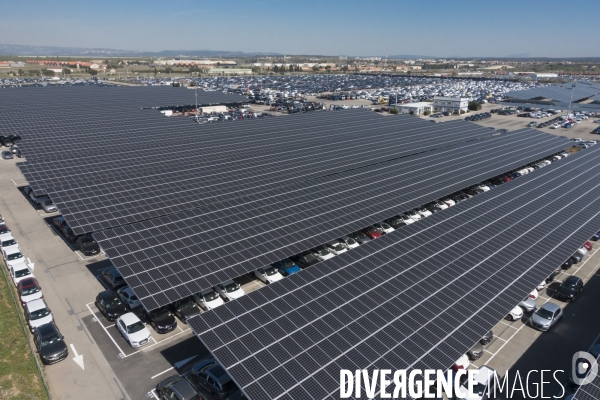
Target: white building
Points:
(450, 104)
(543, 76)
(415, 108)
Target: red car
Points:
(506, 179)
(4, 229)
(372, 232)
(588, 246)
(29, 289)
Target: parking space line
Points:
(179, 328)
(105, 330)
(505, 343)
(585, 262)
(487, 351)
(509, 325)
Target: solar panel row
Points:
(416, 298)
(168, 258)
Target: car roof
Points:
(28, 282)
(107, 294)
(19, 266)
(207, 291)
(550, 307)
(47, 329)
(35, 305)
(219, 372)
(114, 272)
(572, 278)
(229, 282)
(184, 389)
(129, 318)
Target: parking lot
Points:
(113, 369)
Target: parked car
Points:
(37, 313)
(337, 247)
(372, 232)
(305, 259)
(161, 319)
(10, 245)
(569, 288)
(29, 289)
(414, 215)
(596, 236)
(87, 245)
(534, 294)
(286, 267)
(588, 246)
(128, 297)
(113, 278)
(10, 259)
(133, 330)
(384, 228)
(528, 304)
(48, 206)
(185, 309)
(110, 305)
(50, 344)
(485, 378)
(323, 254)
(7, 155)
(360, 237)
(545, 317)
(400, 221)
(462, 363)
(515, 314)
(268, 274)
(18, 272)
(487, 338)
(349, 242)
(176, 387)
(208, 299)
(229, 290)
(475, 352)
(576, 258)
(567, 264)
(213, 377)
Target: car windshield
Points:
(118, 279)
(4, 230)
(88, 243)
(350, 241)
(287, 264)
(385, 226)
(232, 287)
(22, 272)
(37, 314)
(338, 247)
(270, 271)
(323, 252)
(185, 305)
(14, 256)
(136, 327)
(10, 242)
(50, 340)
(30, 290)
(543, 313)
(161, 313)
(48, 203)
(114, 302)
(569, 285)
(211, 296)
(371, 230)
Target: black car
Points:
(475, 352)
(487, 338)
(14, 137)
(110, 305)
(569, 289)
(185, 308)
(87, 245)
(50, 344)
(212, 376)
(113, 278)
(567, 264)
(6, 142)
(396, 222)
(360, 237)
(305, 259)
(176, 387)
(161, 319)
(554, 273)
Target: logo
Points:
(584, 368)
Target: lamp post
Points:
(570, 101)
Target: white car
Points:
(37, 313)
(534, 294)
(384, 227)
(323, 254)
(414, 215)
(128, 297)
(336, 247)
(486, 188)
(449, 202)
(481, 390)
(133, 330)
(541, 286)
(349, 242)
(10, 246)
(344, 106)
(441, 205)
(19, 272)
(462, 363)
(424, 213)
(12, 258)
(515, 314)
(229, 290)
(555, 126)
(208, 299)
(268, 274)
(583, 251)
(355, 106)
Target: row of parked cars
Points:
(47, 338)
(478, 117)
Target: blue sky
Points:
(480, 28)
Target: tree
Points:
(92, 72)
(275, 68)
(291, 68)
(427, 112)
(20, 72)
(66, 71)
(168, 70)
(47, 72)
(315, 68)
(345, 68)
(393, 111)
(474, 106)
(328, 68)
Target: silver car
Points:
(545, 317)
(528, 305)
(48, 206)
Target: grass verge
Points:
(19, 376)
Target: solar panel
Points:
(416, 298)
(171, 257)
(560, 95)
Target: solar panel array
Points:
(167, 258)
(417, 298)
(560, 94)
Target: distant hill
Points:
(22, 50)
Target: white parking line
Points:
(507, 324)
(105, 330)
(505, 343)
(155, 343)
(585, 262)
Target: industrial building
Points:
(450, 104)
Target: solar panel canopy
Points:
(417, 298)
